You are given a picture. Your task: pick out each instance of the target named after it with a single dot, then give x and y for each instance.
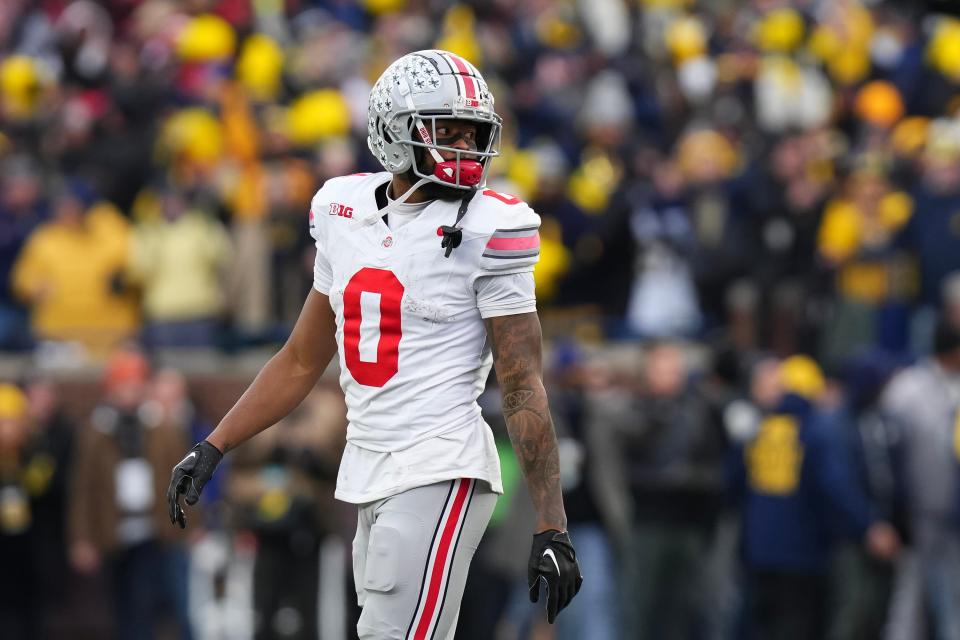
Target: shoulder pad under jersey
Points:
(512, 232)
(334, 198)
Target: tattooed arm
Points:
(517, 356)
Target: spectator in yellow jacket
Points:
(179, 259)
(70, 274)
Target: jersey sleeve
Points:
(506, 294)
(322, 272)
(514, 246)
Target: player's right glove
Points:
(189, 478)
(553, 562)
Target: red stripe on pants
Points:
(441, 560)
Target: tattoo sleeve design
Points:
(515, 401)
(517, 357)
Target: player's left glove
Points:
(554, 562)
(189, 478)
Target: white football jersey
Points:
(410, 333)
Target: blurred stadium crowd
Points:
(723, 185)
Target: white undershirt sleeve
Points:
(504, 295)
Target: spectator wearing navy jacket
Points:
(792, 479)
(861, 584)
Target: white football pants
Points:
(411, 555)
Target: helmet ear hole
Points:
(385, 134)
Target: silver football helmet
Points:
(411, 95)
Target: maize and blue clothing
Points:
(793, 479)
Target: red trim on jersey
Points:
(502, 197)
(513, 244)
(440, 564)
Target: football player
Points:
(423, 279)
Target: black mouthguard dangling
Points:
(453, 235)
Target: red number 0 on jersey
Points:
(370, 280)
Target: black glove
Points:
(553, 561)
(189, 478)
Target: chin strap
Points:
(371, 218)
(428, 139)
(452, 235)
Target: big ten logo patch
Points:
(775, 458)
(342, 210)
